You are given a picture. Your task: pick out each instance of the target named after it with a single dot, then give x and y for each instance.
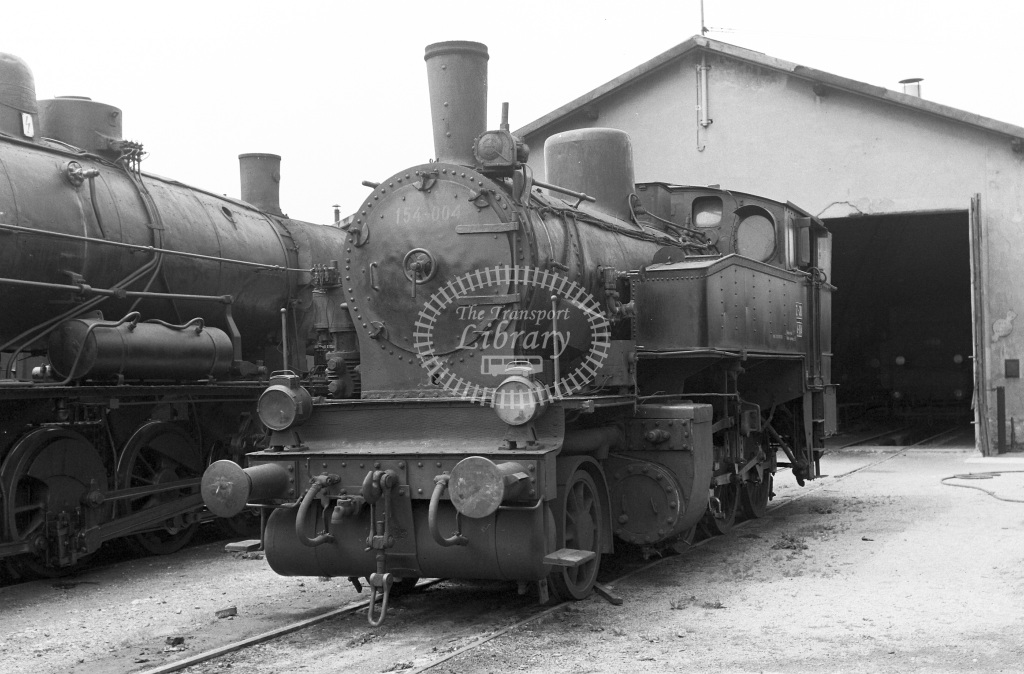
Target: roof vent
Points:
(912, 86)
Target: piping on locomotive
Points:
(546, 366)
(139, 315)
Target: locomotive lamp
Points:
(519, 399)
(499, 152)
(285, 403)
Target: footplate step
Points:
(243, 546)
(569, 557)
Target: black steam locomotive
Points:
(140, 315)
(544, 366)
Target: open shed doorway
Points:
(901, 320)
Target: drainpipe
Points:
(702, 76)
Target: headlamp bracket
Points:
(287, 440)
(520, 437)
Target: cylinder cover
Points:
(646, 502)
(598, 162)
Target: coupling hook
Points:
(382, 581)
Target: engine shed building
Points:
(925, 203)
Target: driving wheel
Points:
(160, 452)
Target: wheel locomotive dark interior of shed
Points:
(902, 317)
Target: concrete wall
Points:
(837, 154)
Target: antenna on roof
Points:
(703, 28)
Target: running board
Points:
(569, 558)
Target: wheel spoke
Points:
(570, 535)
(572, 504)
(570, 519)
(588, 502)
(140, 459)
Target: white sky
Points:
(339, 88)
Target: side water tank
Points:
(598, 162)
(82, 122)
(19, 115)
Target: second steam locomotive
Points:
(545, 367)
(140, 315)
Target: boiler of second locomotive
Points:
(76, 212)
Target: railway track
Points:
(905, 436)
(533, 612)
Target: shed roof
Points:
(698, 43)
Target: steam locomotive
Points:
(546, 368)
(140, 316)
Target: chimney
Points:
(457, 79)
(261, 181)
(912, 86)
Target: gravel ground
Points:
(885, 570)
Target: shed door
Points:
(980, 402)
